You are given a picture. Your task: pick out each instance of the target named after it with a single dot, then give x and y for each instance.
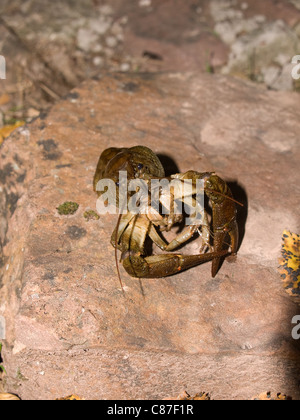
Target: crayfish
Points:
(133, 228)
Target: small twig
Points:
(49, 91)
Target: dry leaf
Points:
(8, 129)
(8, 397)
(202, 396)
(290, 264)
(4, 99)
(267, 396)
(70, 398)
(184, 396)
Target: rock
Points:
(145, 3)
(257, 38)
(86, 39)
(271, 75)
(274, 10)
(284, 81)
(253, 52)
(229, 31)
(111, 41)
(279, 78)
(296, 3)
(69, 328)
(54, 48)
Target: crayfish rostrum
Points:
(133, 228)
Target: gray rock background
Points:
(51, 49)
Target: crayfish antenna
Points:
(226, 196)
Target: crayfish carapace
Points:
(134, 228)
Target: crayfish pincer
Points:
(149, 204)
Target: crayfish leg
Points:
(219, 240)
(165, 265)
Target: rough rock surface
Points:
(69, 328)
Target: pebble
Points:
(145, 3)
(86, 38)
(101, 25)
(111, 42)
(125, 67)
(98, 61)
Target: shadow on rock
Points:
(169, 165)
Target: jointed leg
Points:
(165, 265)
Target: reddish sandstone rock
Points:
(69, 329)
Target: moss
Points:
(91, 215)
(2, 369)
(20, 376)
(67, 208)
